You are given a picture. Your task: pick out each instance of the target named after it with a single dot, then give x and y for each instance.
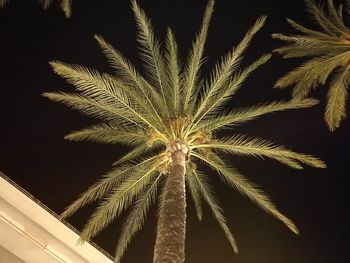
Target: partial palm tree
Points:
(66, 5)
(328, 53)
(170, 118)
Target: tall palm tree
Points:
(328, 51)
(170, 116)
(66, 5)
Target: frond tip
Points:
(328, 53)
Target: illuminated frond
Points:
(223, 71)
(233, 178)
(173, 72)
(109, 133)
(46, 3)
(150, 52)
(217, 211)
(96, 86)
(224, 94)
(131, 77)
(329, 54)
(91, 107)
(66, 6)
(241, 115)
(337, 97)
(194, 187)
(136, 218)
(121, 198)
(241, 145)
(108, 182)
(191, 73)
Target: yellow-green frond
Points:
(337, 97)
(66, 6)
(195, 190)
(241, 145)
(46, 3)
(173, 73)
(192, 69)
(150, 53)
(241, 115)
(136, 217)
(233, 178)
(217, 211)
(110, 133)
(117, 201)
(223, 72)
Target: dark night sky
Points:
(34, 154)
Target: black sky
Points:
(34, 154)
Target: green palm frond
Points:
(136, 218)
(337, 96)
(223, 72)
(241, 145)
(108, 182)
(150, 53)
(328, 53)
(132, 78)
(121, 198)
(170, 104)
(195, 59)
(110, 133)
(195, 189)
(217, 211)
(241, 115)
(66, 6)
(173, 72)
(233, 178)
(46, 3)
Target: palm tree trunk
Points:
(170, 242)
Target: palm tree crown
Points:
(66, 5)
(169, 107)
(329, 52)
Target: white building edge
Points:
(32, 233)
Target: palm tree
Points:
(170, 116)
(328, 51)
(66, 5)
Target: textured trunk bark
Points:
(170, 242)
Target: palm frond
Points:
(92, 107)
(45, 3)
(110, 133)
(136, 217)
(121, 198)
(233, 178)
(108, 182)
(328, 24)
(311, 73)
(241, 145)
(96, 86)
(242, 115)
(194, 187)
(150, 52)
(66, 6)
(337, 97)
(217, 211)
(191, 73)
(132, 78)
(226, 93)
(223, 71)
(173, 72)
